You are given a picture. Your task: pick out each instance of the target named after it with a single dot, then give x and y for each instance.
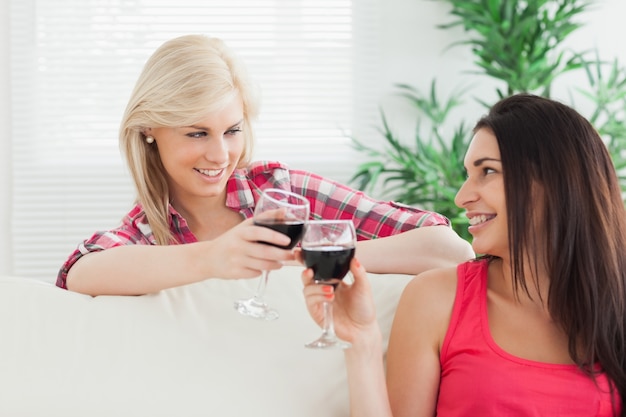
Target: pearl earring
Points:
(149, 139)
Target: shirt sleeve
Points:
(372, 218)
(126, 234)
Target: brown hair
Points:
(545, 142)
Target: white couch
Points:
(183, 352)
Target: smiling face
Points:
(482, 195)
(199, 159)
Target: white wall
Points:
(5, 143)
(414, 52)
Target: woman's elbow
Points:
(454, 249)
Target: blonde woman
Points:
(187, 135)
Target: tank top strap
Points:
(469, 303)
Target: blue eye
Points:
(233, 131)
(196, 135)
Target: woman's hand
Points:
(143, 269)
(243, 252)
(353, 305)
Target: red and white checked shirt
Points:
(329, 200)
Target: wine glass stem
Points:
(260, 291)
(329, 324)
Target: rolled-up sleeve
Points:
(98, 242)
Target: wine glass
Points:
(285, 212)
(328, 247)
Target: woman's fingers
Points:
(314, 296)
(297, 256)
(358, 271)
(319, 292)
(307, 277)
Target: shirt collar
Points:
(239, 194)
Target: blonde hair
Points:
(183, 81)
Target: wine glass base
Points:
(254, 308)
(326, 342)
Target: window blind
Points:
(73, 66)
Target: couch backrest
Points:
(183, 352)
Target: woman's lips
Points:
(480, 218)
(210, 172)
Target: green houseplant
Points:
(520, 45)
(426, 172)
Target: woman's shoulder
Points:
(275, 174)
(424, 312)
(262, 174)
(279, 171)
(433, 284)
(263, 167)
(431, 295)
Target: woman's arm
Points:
(366, 376)
(141, 269)
(420, 324)
(414, 251)
(393, 238)
(355, 321)
(419, 327)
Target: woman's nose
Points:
(217, 150)
(465, 195)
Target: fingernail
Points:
(329, 296)
(357, 263)
(327, 289)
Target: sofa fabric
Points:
(182, 352)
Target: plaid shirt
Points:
(329, 200)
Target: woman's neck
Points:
(534, 277)
(207, 218)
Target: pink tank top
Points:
(479, 379)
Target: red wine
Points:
(328, 262)
(293, 229)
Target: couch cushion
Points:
(181, 352)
